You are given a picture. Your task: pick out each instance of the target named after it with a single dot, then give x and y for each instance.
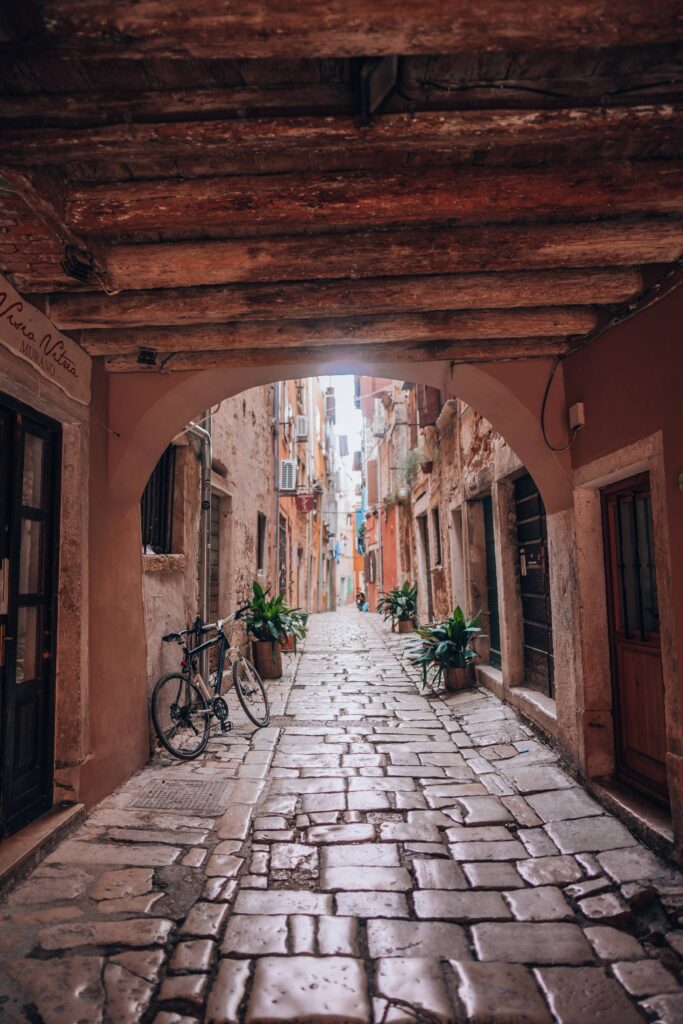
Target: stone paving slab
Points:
(377, 855)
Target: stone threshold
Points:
(645, 819)
(22, 852)
(536, 707)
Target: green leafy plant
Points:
(386, 605)
(296, 624)
(444, 645)
(399, 604)
(406, 602)
(267, 618)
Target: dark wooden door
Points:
(490, 618)
(29, 461)
(426, 554)
(282, 554)
(638, 686)
(532, 543)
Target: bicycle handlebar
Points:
(199, 628)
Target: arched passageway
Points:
(144, 411)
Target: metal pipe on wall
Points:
(203, 434)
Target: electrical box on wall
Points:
(577, 416)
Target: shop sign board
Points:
(28, 333)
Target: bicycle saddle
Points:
(171, 638)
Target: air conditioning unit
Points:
(302, 428)
(288, 475)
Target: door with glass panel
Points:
(637, 679)
(29, 464)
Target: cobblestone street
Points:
(374, 856)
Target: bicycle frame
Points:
(225, 648)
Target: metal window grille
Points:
(156, 507)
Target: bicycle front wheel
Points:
(251, 693)
(180, 716)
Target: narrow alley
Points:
(376, 854)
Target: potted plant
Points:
(444, 650)
(296, 628)
(266, 622)
(386, 606)
(406, 607)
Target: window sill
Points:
(164, 563)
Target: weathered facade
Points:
(455, 510)
(267, 522)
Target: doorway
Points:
(635, 644)
(29, 502)
(423, 526)
(534, 577)
(491, 618)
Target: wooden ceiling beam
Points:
(323, 99)
(345, 356)
(459, 133)
(443, 250)
(301, 202)
(318, 333)
(337, 28)
(344, 298)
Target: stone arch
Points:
(147, 410)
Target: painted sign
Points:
(305, 502)
(28, 333)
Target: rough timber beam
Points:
(459, 133)
(300, 202)
(345, 355)
(388, 253)
(318, 333)
(335, 28)
(344, 298)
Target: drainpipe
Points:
(380, 513)
(276, 485)
(203, 434)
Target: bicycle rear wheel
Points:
(251, 693)
(180, 716)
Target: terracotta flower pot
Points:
(406, 625)
(267, 659)
(288, 646)
(457, 678)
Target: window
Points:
(260, 542)
(438, 560)
(156, 507)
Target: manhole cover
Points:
(182, 796)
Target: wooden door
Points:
(491, 618)
(532, 546)
(637, 682)
(423, 526)
(29, 461)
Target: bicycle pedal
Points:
(226, 726)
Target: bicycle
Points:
(182, 704)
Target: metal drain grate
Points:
(182, 796)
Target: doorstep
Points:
(646, 820)
(535, 706)
(22, 852)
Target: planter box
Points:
(288, 646)
(406, 626)
(458, 678)
(267, 659)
